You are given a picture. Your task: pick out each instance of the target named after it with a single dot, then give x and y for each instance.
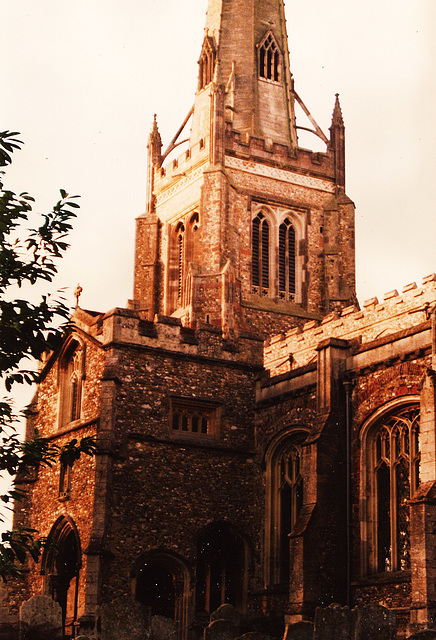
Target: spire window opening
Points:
(287, 261)
(206, 64)
(269, 59)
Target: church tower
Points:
(245, 230)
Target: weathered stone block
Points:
(254, 635)
(374, 622)
(332, 623)
(124, 619)
(227, 612)
(162, 628)
(220, 630)
(299, 631)
(40, 619)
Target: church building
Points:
(262, 439)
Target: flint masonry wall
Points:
(167, 486)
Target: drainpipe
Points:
(347, 386)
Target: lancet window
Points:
(182, 253)
(260, 255)
(206, 63)
(284, 502)
(269, 59)
(287, 256)
(71, 374)
(393, 453)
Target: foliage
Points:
(27, 331)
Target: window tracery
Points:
(206, 63)
(182, 253)
(269, 58)
(393, 469)
(276, 265)
(284, 502)
(287, 264)
(71, 370)
(260, 255)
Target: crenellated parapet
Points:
(125, 327)
(377, 319)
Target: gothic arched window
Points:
(260, 239)
(206, 63)
(287, 261)
(269, 59)
(60, 564)
(71, 374)
(180, 231)
(393, 469)
(284, 501)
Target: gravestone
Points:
(227, 612)
(332, 623)
(124, 619)
(427, 634)
(40, 619)
(220, 630)
(254, 635)
(374, 622)
(299, 631)
(162, 628)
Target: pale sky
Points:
(81, 81)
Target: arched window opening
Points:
(161, 583)
(156, 590)
(206, 63)
(65, 480)
(61, 564)
(220, 569)
(289, 502)
(285, 494)
(71, 374)
(269, 59)
(393, 450)
(287, 261)
(260, 267)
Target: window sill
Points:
(389, 577)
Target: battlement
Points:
(376, 319)
(279, 155)
(177, 167)
(125, 327)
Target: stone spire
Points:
(155, 144)
(337, 119)
(248, 41)
(337, 143)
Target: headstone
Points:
(427, 634)
(227, 612)
(374, 622)
(220, 630)
(162, 628)
(124, 619)
(254, 635)
(299, 631)
(332, 623)
(40, 619)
